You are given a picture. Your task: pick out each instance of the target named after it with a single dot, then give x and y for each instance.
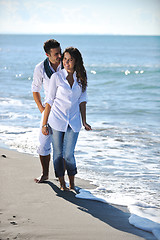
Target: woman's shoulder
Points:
(57, 76)
(62, 72)
(59, 73)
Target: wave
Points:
(122, 65)
(125, 71)
(14, 116)
(11, 102)
(149, 222)
(20, 138)
(120, 159)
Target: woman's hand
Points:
(45, 130)
(87, 126)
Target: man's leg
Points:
(44, 151)
(45, 168)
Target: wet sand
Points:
(42, 211)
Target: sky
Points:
(118, 17)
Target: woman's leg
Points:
(58, 160)
(70, 140)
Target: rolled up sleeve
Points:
(52, 89)
(83, 97)
(37, 80)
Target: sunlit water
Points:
(121, 155)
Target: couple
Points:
(64, 81)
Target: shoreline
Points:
(43, 211)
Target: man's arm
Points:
(45, 130)
(37, 99)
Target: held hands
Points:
(87, 126)
(45, 130)
(42, 109)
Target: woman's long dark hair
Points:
(79, 67)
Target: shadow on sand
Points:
(107, 213)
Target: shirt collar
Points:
(58, 68)
(66, 74)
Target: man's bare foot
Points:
(41, 179)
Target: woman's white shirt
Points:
(64, 102)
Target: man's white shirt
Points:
(40, 79)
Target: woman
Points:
(66, 106)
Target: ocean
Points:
(121, 155)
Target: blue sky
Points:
(126, 17)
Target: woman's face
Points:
(68, 62)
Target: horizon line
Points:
(84, 34)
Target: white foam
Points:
(23, 140)
(11, 102)
(19, 75)
(85, 194)
(144, 210)
(145, 224)
(127, 72)
(119, 65)
(93, 72)
(13, 116)
(137, 220)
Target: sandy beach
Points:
(41, 211)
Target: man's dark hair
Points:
(51, 43)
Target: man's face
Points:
(54, 55)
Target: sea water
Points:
(121, 155)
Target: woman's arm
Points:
(83, 116)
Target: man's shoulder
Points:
(40, 66)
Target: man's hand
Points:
(45, 130)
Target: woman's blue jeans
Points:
(63, 150)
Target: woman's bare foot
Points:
(71, 182)
(41, 179)
(64, 188)
(71, 187)
(62, 184)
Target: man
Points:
(41, 76)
